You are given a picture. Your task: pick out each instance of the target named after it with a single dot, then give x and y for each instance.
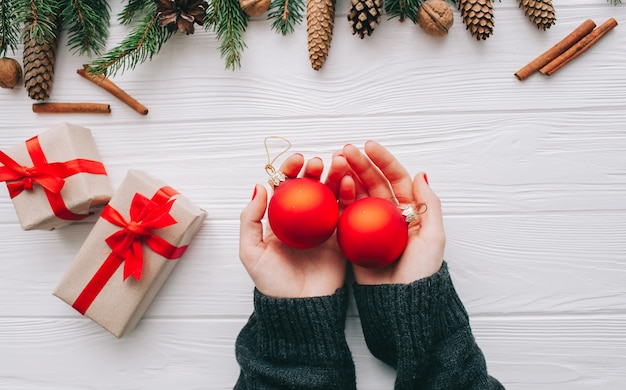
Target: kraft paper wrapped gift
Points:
(130, 252)
(55, 178)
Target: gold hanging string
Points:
(276, 177)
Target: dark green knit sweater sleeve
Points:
(296, 343)
(423, 330)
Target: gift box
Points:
(130, 252)
(55, 178)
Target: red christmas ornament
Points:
(303, 212)
(372, 232)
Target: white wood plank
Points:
(531, 175)
(480, 163)
(556, 263)
(399, 70)
(544, 352)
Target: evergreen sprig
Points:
(144, 41)
(88, 25)
(615, 2)
(9, 29)
(402, 9)
(286, 14)
(41, 17)
(132, 8)
(229, 22)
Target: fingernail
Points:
(254, 193)
(426, 178)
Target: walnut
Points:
(10, 72)
(254, 7)
(435, 17)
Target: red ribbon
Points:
(50, 176)
(127, 243)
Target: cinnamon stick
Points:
(71, 108)
(579, 47)
(114, 90)
(581, 31)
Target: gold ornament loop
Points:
(276, 177)
(412, 212)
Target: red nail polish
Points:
(254, 193)
(426, 178)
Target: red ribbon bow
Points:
(50, 176)
(127, 243)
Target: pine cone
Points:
(540, 12)
(478, 17)
(38, 62)
(181, 14)
(364, 15)
(320, 20)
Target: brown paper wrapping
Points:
(83, 193)
(121, 304)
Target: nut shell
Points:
(435, 17)
(254, 7)
(10, 72)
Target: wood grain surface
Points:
(532, 177)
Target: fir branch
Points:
(403, 9)
(88, 25)
(40, 17)
(9, 27)
(229, 22)
(131, 9)
(615, 2)
(143, 42)
(286, 14)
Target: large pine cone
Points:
(320, 20)
(364, 15)
(478, 17)
(38, 61)
(540, 12)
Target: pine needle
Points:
(402, 9)
(286, 14)
(143, 42)
(41, 16)
(131, 9)
(9, 29)
(229, 22)
(88, 25)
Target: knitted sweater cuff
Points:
(408, 319)
(302, 328)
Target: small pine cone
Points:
(478, 17)
(38, 62)
(364, 15)
(540, 12)
(320, 20)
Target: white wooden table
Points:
(532, 176)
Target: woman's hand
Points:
(281, 271)
(378, 173)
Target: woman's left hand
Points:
(281, 271)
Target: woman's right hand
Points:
(379, 174)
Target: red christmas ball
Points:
(372, 232)
(303, 213)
